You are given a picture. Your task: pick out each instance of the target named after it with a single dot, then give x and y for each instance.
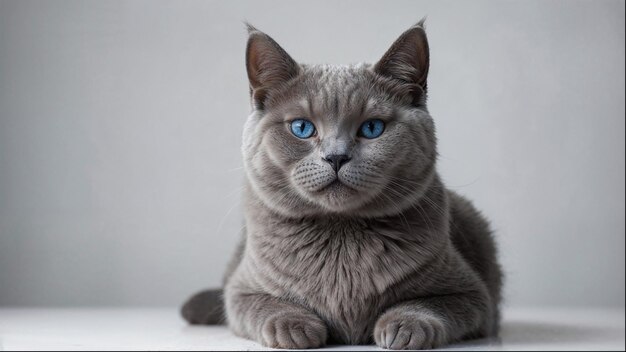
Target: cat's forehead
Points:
(335, 91)
(335, 76)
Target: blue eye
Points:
(302, 128)
(372, 128)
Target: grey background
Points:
(120, 126)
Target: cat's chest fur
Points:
(339, 268)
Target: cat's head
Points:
(345, 140)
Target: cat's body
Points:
(372, 248)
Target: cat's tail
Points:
(205, 308)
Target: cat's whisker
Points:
(235, 191)
(442, 186)
(421, 210)
(236, 169)
(424, 197)
(398, 209)
(221, 223)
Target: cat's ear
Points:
(407, 61)
(268, 65)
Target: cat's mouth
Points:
(337, 196)
(335, 186)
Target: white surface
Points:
(162, 329)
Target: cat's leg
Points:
(464, 310)
(274, 322)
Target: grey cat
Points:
(351, 236)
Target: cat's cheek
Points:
(284, 149)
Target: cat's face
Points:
(346, 140)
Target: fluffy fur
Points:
(379, 251)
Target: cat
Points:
(350, 235)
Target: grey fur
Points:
(378, 252)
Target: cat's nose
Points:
(336, 160)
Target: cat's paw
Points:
(409, 331)
(294, 331)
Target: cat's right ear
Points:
(268, 65)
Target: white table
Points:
(163, 329)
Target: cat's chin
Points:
(338, 197)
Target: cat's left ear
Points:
(407, 61)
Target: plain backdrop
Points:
(120, 128)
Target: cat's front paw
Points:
(293, 331)
(409, 331)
